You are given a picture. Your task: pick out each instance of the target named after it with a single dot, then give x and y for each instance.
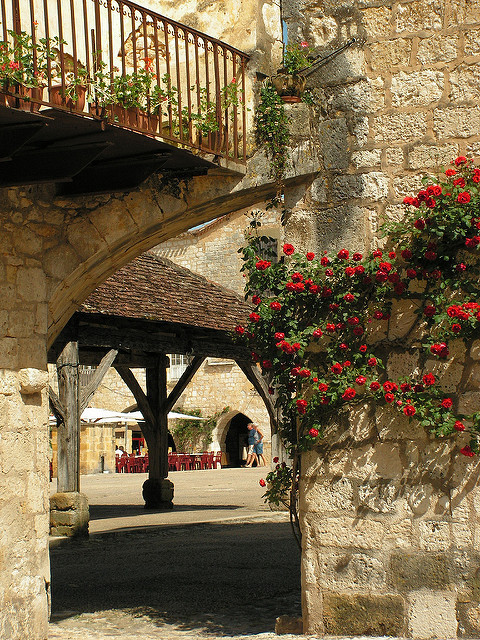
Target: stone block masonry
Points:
(389, 520)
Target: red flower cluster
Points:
(261, 265)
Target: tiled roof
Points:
(153, 288)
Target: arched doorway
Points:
(236, 440)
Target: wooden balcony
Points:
(98, 94)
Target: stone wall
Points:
(388, 514)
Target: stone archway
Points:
(234, 437)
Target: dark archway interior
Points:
(236, 439)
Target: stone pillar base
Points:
(158, 494)
(69, 514)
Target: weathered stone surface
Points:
(324, 29)
(413, 571)
(390, 53)
(464, 83)
(391, 424)
(32, 380)
(430, 156)
(468, 616)
(398, 127)
(371, 186)
(469, 402)
(417, 89)
(335, 495)
(438, 48)
(475, 350)
(363, 159)
(333, 136)
(363, 614)
(472, 42)
(344, 532)
(366, 95)
(461, 122)
(288, 624)
(69, 501)
(378, 21)
(342, 226)
(465, 11)
(420, 16)
(432, 615)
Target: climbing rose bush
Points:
(319, 331)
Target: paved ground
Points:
(219, 565)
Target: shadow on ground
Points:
(228, 579)
(102, 511)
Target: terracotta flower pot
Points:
(291, 99)
(24, 102)
(289, 85)
(57, 98)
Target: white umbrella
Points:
(104, 416)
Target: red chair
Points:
(145, 465)
(204, 460)
(185, 461)
(121, 463)
(217, 460)
(173, 462)
(131, 464)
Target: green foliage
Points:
(25, 61)
(194, 435)
(316, 319)
(298, 57)
(279, 485)
(272, 130)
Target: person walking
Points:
(251, 440)
(261, 462)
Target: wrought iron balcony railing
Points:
(115, 60)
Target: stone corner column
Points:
(69, 514)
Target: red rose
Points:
(317, 333)
(406, 254)
(375, 386)
(323, 387)
(447, 403)
(324, 261)
(381, 276)
(261, 265)
(388, 386)
(357, 257)
(459, 426)
(343, 346)
(460, 160)
(305, 373)
(464, 197)
(440, 350)
(336, 368)
(256, 300)
(361, 380)
(428, 379)
(430, 255)
(313, 432)
(326, 292)
(267, 364)
(276, 306)
(419, 224)
(302, 406)
(262, 482)
(418, 388)
(349, 393)
(389, 397)
(240, 330)
(297, 277)
(378, 315)
(347, 363)
(330, 327)
(254, 317)
(460, 267)
(360, 269)
(467, 451)
(405, 387)
(288, 249)
(362, 348)
(353, 320)
(359, 331)
(450, 172)
(429, 310)
(275, 460)
(409, 410)
(459, 182)
(377, 253)
(350, 271)
(411, 273)
(471, 243)
(310, 256)
(372, 362)
(343, 254)
(456, 328)
(279, 336)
